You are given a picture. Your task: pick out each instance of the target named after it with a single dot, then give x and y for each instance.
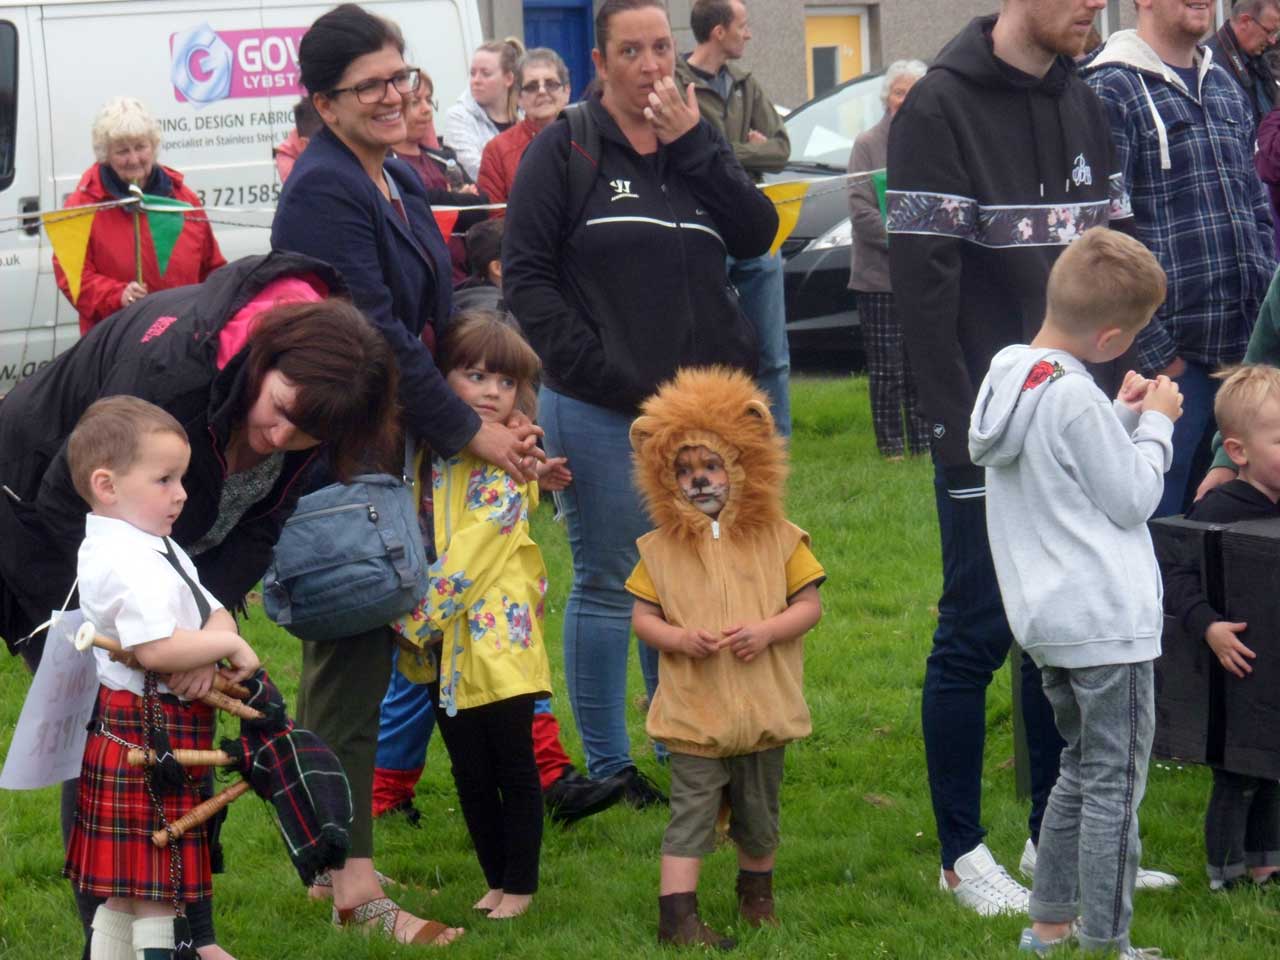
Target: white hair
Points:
(900, 68)
(123, 118)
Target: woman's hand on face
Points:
(511, 448)
(133, 291)
(670, 115)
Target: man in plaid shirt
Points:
(1183, 133)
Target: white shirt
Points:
(130, 593)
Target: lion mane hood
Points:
(724, 411)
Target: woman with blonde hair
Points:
(488, 105)
(120, 264)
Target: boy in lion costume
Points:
(725, 590)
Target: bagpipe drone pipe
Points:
(287, 766)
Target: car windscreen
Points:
(822, 132)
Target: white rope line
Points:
(212, 214)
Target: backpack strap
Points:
(584, 161)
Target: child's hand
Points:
(192, 684)
(554, 474)
(698, 644)
(1133, 390)
(1226, 646)
(747, 640)
(244, 663)
(1163, 396)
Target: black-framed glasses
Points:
(374, 90)
(533, 86)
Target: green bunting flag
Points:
(880, 182)
(165, 226)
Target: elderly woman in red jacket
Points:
(125, 142)
(542, 80)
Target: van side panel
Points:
(22, 349)
(221, 78)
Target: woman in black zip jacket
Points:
(615, 296)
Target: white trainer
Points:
(1147, 879)
(985, 887)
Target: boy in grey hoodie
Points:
(1071, 481)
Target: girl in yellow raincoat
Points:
(480, 626)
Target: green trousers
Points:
(339, 696)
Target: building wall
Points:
(896, 29)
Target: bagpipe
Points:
(282, 763)
(1204, 714)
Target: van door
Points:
(22, 246)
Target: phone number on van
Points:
(239, 196)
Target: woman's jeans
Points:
(603, 513)
(970, 644)
(1087, 858)
(1242, 825)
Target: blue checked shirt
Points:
(1197, 204)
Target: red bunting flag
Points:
(445, 219)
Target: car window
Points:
(8, 100)
(823, 131)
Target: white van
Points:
(220, 76)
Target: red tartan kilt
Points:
(110, 853)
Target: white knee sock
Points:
(112, 935)
(153, 938)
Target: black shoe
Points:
(406, 809)
(638, 790)
(573, 796)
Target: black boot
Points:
(680, 925)
(573, 796)
(755, 898)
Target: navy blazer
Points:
(398, 273)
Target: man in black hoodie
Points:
(998, 159)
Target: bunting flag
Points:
(165, 218)
(879, 180)
(787, 199)
(445, 220)
(68, 232)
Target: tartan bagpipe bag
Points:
(351, 558)
(299, 775)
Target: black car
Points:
(822, 318)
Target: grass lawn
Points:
(857, 872)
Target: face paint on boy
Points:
(703, 479)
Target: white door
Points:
(22, 245)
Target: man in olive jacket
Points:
(735, 104)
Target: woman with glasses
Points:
(488, 105)
(350, 204)
(543, 82)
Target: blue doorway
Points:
(566, 27)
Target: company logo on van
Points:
(210, 65)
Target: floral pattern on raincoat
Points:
(479, 628)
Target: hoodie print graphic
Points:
(1043, 372)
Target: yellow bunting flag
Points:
(788, 198)
(68, 231)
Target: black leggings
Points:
(491, 751)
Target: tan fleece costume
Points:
(711, 574)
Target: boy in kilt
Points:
(127, 458)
